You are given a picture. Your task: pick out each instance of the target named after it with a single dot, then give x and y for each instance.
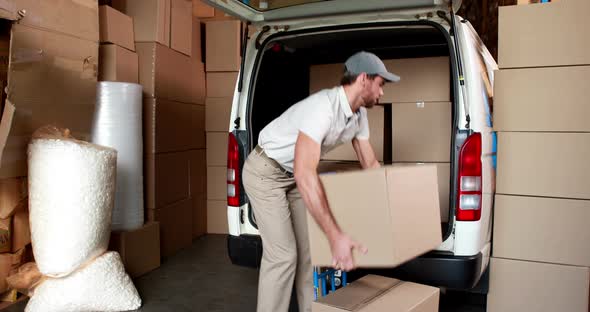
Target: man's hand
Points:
(342, 247)
(365, 153)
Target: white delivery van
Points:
(293, 36)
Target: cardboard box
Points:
(541, 287)
(13, 191)
(9, 263)
(139, 249)
(544, 164)
(543, 35)
(218, 111)
(74, 18)
(199, 215)
(151, 19)
(216, 183)
(202, 10)
(172, 126)
(542, 99)
(400, 219)
(221, 84)
(422, 79)
(223, 45)
(167, 179)
(21, 230)
(217, 148)
(526, 228)
(217, 217)
(5, 235)
(64, 79)
(164, 73)
(198, 168)
(422, 132)
(198, 83)
(326, 166)
(181, 26)
(116, 28)
(176, 229)
(117, 64)
(378, 293)
(346, 151)
(197, 47)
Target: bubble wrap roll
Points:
(71, 198)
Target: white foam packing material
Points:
(118, 124)
(101, 286)
(71, 197)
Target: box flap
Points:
(359, 293)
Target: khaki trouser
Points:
(281, 217)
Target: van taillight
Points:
(469, 195)
(233, 171)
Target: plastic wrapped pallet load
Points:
(71, 198)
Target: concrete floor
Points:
(201, 278)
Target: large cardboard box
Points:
(116, 28)
(13, 191)
(21, 230)
(164, 73)
(217, 217)
(117, 64)
(181, 26)
(176, 229)
(421, 132)
(551, 34)
(223, 45)
(393, 211)
(379, 294)
(221, 84)
(544, 164)
(324, 76)
(542, 99)
(198, 83)
(172, 126)
(218, 111)
(64, 79)
(198, 189)
(540, 287)
(346, 151)
(197, 47)
(527, 228)
(217, 148)
(216, 183)
(167, 179)
(202, 10)
(9, 263)
(139, 249)
(75, 18)
(151, 19)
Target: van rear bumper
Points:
(440, 269)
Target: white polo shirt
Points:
(325, 116)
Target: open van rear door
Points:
(268, 11)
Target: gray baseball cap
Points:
(366, 62)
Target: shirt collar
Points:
(344, 102)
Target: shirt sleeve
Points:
(363, 132)
(317, 120)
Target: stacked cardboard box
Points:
(222, 62)
(540, 256)
(418, 108)
(173, 81)
(53, 56)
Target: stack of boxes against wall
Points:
(63, 78)
(170, 70)
(222, 63)
(411, 126)
(542, 207)
(118, 62)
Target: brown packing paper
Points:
(9, 263)
(5, 235)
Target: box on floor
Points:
(176, 229)
(139, 249)
(393, 211)
(379, 294)
(117, 64)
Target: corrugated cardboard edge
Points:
(5, 125)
